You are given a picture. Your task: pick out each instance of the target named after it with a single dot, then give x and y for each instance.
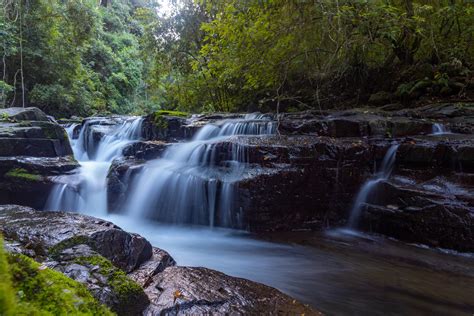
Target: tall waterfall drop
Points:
(192, 182)
(368, 188)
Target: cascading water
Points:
(440, 129)
(191, 183)
(368, 188)
(91, 192)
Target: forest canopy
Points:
(85, 57)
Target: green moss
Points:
(4, 117)
(50, 132)
(7, 297)
(29, 289)
(127, 290)
(171, 113)
(159, 117)
(160, 122)
(69, 243)
(22, 174)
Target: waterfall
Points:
(90, 194)
(191, 183)
(440, 129)
(363, 196)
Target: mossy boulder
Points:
(28, 288)
(165, 125)
(56, 231)
(106, 282)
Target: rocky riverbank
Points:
(124, 272)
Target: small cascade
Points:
(368, 188)
(440, 129)
(193, 182)
(90, 194)
(189, 184)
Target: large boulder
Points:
(298, 181)
(33, 138)
(52, 232)
(165, 128)
(32, 150)
(91, 251)
(200, 291)
(23, 114)
(107, 283)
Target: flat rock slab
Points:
(200, 291)
(49, 232)
(46, 166)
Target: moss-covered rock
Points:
(22, 174)
(7, 297)
(171, 113)
(129, 298)
(41, 291)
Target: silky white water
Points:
(368, 188)
(440, 129)
(90, 194)
(193, 182)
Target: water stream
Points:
(90, 194)
(369, 187)
(440, 129)
(342, 275)
(190, 184)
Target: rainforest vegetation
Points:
(87, 57)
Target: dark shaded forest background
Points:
(89, 57)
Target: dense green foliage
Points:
(72, 57)
(28, 289)
(303, 53)
(123, 56)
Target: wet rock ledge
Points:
(33, 150)
(123, 270)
